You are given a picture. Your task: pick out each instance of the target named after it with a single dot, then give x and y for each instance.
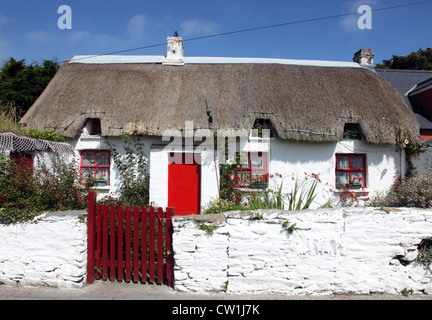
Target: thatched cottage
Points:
(336, 119)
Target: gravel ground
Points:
(107, 290)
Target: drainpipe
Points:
(402, 160)
(210, 121)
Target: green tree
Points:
(420, 60)
(21, 84)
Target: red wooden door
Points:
(184, 186)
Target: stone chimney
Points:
(175, 51)
(364, 57)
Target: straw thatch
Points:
(308, 103)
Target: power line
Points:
(259, 28)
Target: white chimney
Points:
(364, 57)
(175, 51)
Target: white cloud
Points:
(195, 27)
(136, 27)
(39, 36)
(3, 20)
(79, 36)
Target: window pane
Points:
(358, 176)
(356, 162)
(244, 178)
(102, 174)
(259, 176)
(88, 158)
(342, 162)
(342, 178)
(87, 173)
(102, 158)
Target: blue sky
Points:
(29, 30)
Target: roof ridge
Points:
(114, 59)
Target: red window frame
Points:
(350, 170)
(249, 169)
(95, 166)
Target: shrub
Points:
(134, 186)
(59, 186)
(26, 192)
(413, 192)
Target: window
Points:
(352, 131)
(260, 125)
(254, 173)
(93, 126)
(350, 171)
(95, 167)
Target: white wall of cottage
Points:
(288, 158)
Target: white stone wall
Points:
(49, 252)
(348, 250)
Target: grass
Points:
(8, 124)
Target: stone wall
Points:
(52, 251)
(348, 250)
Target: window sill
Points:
(101, 187)
(352, 190)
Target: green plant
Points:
(227, 205)
(26, 192)
(208, 228)
(134, 185)
(425, 251)
(257, 216)
(415, 191)
(288, 226)
(406, 292)
(303, 194)
(225, 287)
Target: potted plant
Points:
(355, 183)
(260, 182)
(101, 181)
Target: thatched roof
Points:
(303, 102)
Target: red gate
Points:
(129, 244)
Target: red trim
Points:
(350, 170)
(95, 166)
(250, 169)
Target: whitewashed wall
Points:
(384, 164)
(294, 158)
(348, 250)
(51, 252)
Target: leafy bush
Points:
(26, 192)
(134, 186)
(413, 192)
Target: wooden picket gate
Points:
(129, 244)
